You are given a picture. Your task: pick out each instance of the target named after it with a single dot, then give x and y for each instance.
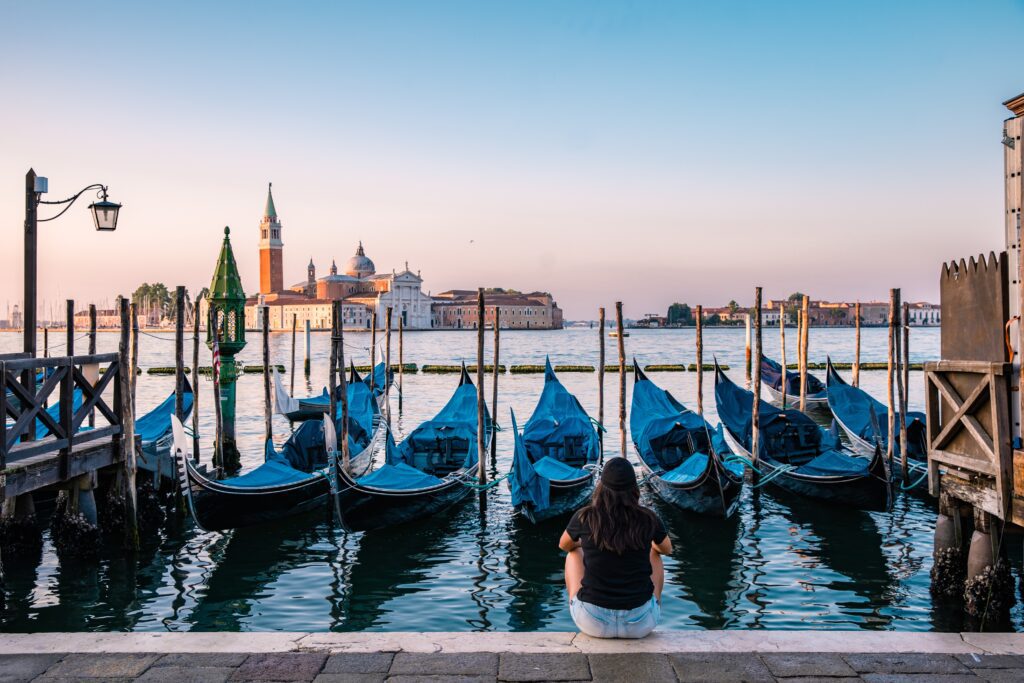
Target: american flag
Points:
(216, 360)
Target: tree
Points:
(679, 314)
(796, 297)
(733, 306)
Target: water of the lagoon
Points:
(780, 563)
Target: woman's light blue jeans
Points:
(601, 622)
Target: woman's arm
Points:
(663, 548)
(566, 543)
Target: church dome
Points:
(360, 265)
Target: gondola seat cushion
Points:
(556, 470)
(400, 477)
(833, 464)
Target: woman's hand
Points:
(566, 544)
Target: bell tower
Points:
(271, 248)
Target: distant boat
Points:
(615, 333)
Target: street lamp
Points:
(104, 214)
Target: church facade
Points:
(361, 289)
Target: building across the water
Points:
(365, 292)
(457, 309)
(361, 289)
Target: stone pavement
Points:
(673, 656)
(474, 667)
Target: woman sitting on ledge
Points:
(613, 572)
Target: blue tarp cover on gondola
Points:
(834, 464)
(54, 411)
(657, 420)
(270, 473)
(771, 374)
(853, 407)
(455, 421)
(525, 482)
(305, 451)
(557, 441)
(380, 378)
(157, 422)
(559, 426)
(783, 433)
(400, 477)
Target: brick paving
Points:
(409, 667)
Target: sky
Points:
(647, 152)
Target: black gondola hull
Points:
(364, 509)
(871, 491)
(219, 507)
(715, 493)
(564, 499)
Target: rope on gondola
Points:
(763, 478)
(597, 424)
(484, 487)
(903, 484)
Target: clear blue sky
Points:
(643, 151)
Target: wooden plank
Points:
(978, 367)
(42, 470)
(986, 467)
(977, 495)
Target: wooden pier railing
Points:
(23, 405)
(969, 439)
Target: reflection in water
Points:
(781, 562)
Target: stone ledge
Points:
(535, 642)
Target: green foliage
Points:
(680, 314)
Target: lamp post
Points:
(104, 214)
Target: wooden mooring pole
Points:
(133, 379)
(306, 358)
(69, 337)
(856, 345)
(179, 352)
(901, 387)
(600, 382)
(700, 359)
(46, 342)
(387, 364)
(339, 326)
(755, 412)
(401, 361)
(622, 378)
(747, 321)
(373, 349)
(127, 436)
(481, 408)
(332, 366)
(268, 427)
(804, 343)
(890, 446)
(295, 324)
(782, 344)
(494, 387)
(93, 371)
(195, 381)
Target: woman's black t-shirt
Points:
(615, 581)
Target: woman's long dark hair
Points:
(617, 521)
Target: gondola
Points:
(771, 380)
(154, 428)
(865, 421)
(314, 407)
(293, 479)
(685, 461)
(555, 456)
(797, 455)
(423, 475)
